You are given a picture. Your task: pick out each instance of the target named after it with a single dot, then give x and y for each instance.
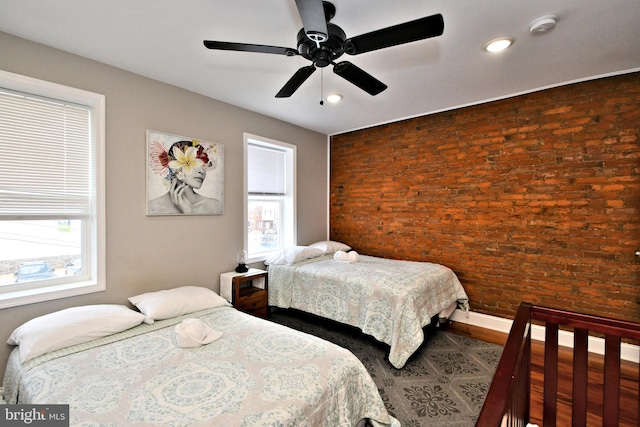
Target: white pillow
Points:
(293, 254)
(71, 326)
(330, 246)
(176, 302)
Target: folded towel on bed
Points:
(343, 256)
(194, 333)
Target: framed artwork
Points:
(185, 176)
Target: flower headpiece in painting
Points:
(181, 158)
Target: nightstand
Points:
(247, 292)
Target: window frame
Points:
(94, 244)
(288, 222)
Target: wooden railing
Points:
(509, 397)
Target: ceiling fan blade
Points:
(294, 82)
(314, 20)
(420, 29)
(245, 47)
(359, 77)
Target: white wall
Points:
(149, 253)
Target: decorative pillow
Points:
(330, 246)
(294, 254)
(71, 326)
(176, 302)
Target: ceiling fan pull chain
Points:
(321, 86)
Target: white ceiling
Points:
(162, 39)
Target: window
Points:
(51, 191)
(270, 196)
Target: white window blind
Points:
(267, 168)
(45, 158)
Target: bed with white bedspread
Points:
(391, 300)
(257, 373)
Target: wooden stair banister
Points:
(508, 400)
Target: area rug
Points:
(443, 384)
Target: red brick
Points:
(535, 197)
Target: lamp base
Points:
(242, 268)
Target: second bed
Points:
(391, 300)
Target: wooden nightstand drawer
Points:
(251, 299)
(252, 305)
(247, 292)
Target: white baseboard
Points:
(628, 352)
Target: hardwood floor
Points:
(630, 376)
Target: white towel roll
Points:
(194, 333)
(341, 256)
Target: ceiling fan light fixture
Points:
(334, 97)
(498, 45)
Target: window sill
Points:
(46, 293)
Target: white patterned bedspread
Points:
(257, 374)
(391, 300)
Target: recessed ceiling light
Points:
(498, 45)
(334, 97)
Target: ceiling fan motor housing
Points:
(328, 50)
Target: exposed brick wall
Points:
(534, 198)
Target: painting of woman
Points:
(185, 176)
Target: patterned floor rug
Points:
(443, 384)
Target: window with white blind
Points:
(270, 196)
(51, 191)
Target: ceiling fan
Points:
(322, 42)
